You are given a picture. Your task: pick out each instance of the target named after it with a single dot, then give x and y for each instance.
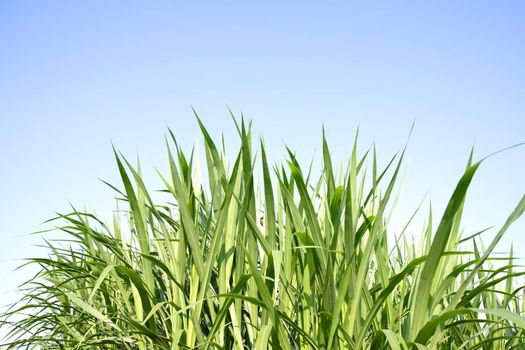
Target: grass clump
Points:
(295, 263)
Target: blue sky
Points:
(76, 76)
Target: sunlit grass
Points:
(299, 262)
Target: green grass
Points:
(297, 262)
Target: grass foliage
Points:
(266, 256)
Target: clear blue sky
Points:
(76, 76)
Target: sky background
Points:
(76, 76)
